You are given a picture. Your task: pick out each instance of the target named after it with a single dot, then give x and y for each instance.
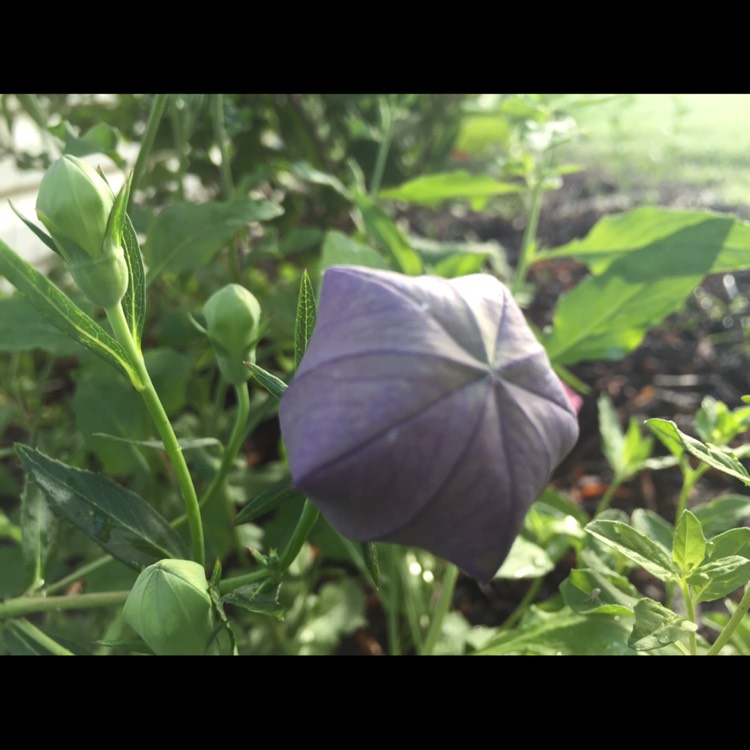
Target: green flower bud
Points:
(233, 323)
(169, 606)
(74, 204)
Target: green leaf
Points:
(586, 591)
(383, 230)
(340, 250)
(118, 520)
(275, 386)
(635, 546)
(689, 546)
(433, 189)
(185, 236)
(305, 321)
(270, 499)
(9, 530)
(722, 513)
(24, 639)
(61, 312)
(370, 556)
(615, 236)
(260, 598)
(40, 529)
(563, 633)
(656, 626)
(305, 171)
(653, 526)
(23, 329)
(718, 458)
(186, 444)
(606, 316)
(134, 301)
(612, 435)
(554, 499)
(732, 542)
(40, 233)
(525, 560)
(715, 423)
(719, 578)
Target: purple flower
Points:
(425, 412)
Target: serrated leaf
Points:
(275, 386)
(118, 520)
(689, 547)
(653, 526)
(61, 312)
(305, 321)
(270, 499)
(606, 316)
(722, 513)
(719, 458)
(185, 236)
(635, 546)
(430, 190)
(262, 599)
(719, 578)
(656, 626)
(732, 542)
(563, 633)
(587, 591)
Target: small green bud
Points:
(233, 323)
(170, 607)
(74, 204)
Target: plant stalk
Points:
(731, 625)
(147, 143)
(448, 586)
(26, 605)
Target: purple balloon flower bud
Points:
(425, 412)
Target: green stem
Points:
(607, 497)
(302, 530)
(526, 254)
(448, 586)
(146, 388)
(518, 612)
(690, 611)
(33, 633)
(220, 136)
(731, 625)
(385, 146)
(77, 575)
(233, 446)
(147, 142)
(390, 598)
(26, 605)
(688, 482)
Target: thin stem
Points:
(386, 120)
(77, 575)
(731, 625)
(220, 136)
(302, 530)
(688, 482)
(518, 612)
(26, 605)
(390, 602)
(607, 497)
(33, 632)
(147, 142)
(448, 586)
(233, 446)
(230, 584)
(528, 242)
(690, 611)
(120, 328)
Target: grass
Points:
(695, 140)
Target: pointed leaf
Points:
(275, 386)
(653, 526)
(689, 547)
(370, 555)
(23, 329)
(635, 546)
(40, 233)
(656, 626)
(61, 312)
(587, 591)
(40, 530)
(186, 444)
(305, 323)
(719, 578)
(723, 513)
(263, 599)
(279, 492)
(118, 520)
(612, 435)
(732, 542)
(720, 459)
